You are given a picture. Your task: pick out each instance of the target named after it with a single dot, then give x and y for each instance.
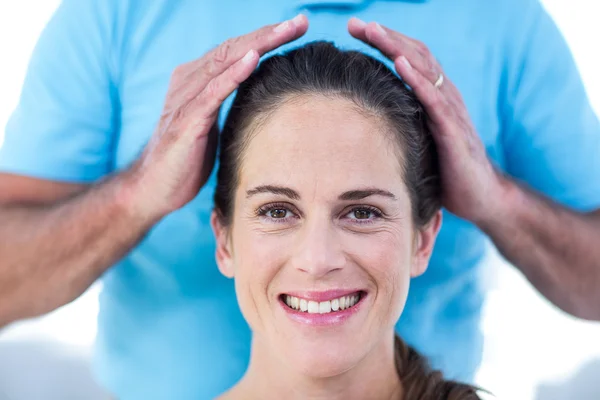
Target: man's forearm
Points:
(557, 249)
(50, 255)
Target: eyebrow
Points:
(292, 194)
(364, 193)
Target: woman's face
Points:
(322, 245)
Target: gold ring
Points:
(439, 82)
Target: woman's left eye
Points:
(363, 214)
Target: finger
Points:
(196, 116)
(189, 79)
(452, 93)
(262, 40)
(206, 105)
(439, 109)
(363, 31)
(356, 27)
(394, 44)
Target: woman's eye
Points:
(277, 213)
(363, 214)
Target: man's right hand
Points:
(56, 238)
(180, 155)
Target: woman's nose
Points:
(320, 250)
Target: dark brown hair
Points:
(319, 68)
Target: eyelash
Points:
(262, 212)
(375, 211)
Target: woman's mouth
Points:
(321, 307)
(328, 308)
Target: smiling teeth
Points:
(323, 307)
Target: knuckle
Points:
(179, 73)
(222, 52)
(430, 65)
(261, 33)
(422, 48)
(212, 89)
(177, 115)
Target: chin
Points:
(322, 359)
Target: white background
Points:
(532, 350)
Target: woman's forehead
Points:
(325, 140)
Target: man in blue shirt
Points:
(77, 198)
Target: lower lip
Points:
(327, 319)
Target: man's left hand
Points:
(471, 187)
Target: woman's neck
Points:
(374, 377)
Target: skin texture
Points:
(321, 148)
(554, 247)
(56, 239)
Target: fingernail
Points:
(298, 19)
(380, 29)
(248, 57)
(282, 27)
(359, 22)
(405, 62)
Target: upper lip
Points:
(324, 295)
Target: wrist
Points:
(504, 202)
(133, 198)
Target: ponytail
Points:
(420, 382)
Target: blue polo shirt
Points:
(169, 324)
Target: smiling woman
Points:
(327, 203)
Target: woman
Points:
(327, 203)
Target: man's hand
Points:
(555, 248)
(471, 186)
(56, 242)
(180, 156)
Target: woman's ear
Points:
(223, 251)
(424, 241)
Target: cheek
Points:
(258, 259)
(386, 254)
(387, 258)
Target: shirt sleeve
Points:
(551, 136)
(64, 125)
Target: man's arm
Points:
(552, 141)
(52, 251)
(557, 249)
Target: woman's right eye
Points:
(277, 213)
